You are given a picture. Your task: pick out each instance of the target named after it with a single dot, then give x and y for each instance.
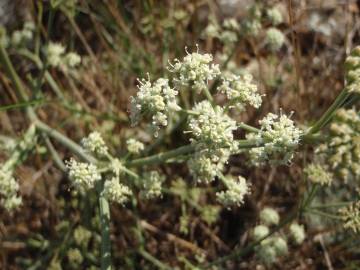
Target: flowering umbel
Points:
(195, 71)
(278, 138)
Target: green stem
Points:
(153, 260)
(248, 128)
(57, 159)
(161, 157)
(209, 96)
(74, 147)
(183, 150)
(329, 205)
(105, 233)
(321, 213)
(326, 117)
(190, 112)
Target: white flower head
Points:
(115, 191)
(240, 90)
(72, 59)
(235, 192)
(260, 231)
(231, 24)
(266, 254)
(84, 175)
(274, 16)
(275, 39)
(269, 216)
(277, 139)
(156, 100)
(318, 174)
(152, 184)
(280, 245)
(55, 53)
(195, 70)
(211, 126)
(350, 215)
(134, 146)
(297, 233)
(95, 144)
(9, 189)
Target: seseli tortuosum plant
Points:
(198, 91)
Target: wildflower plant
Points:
(202, 96)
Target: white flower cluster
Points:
(134, 146)
(115, 191)
(274, 39)
(269, 216)
(206, 164)
(240, 90)
(152, 184)
(9, 189)
(352, 65)
(22, 37)
(350, 215)
(84, 175)
(274, 15)
(252, 25)
(95, 144)
(271, 248)
(227, 34)
(278, 138)
(317, 174)
(156, 100)
(297, 233)
(56, 57)
(342, 152)
(212, 132)
(195, 71)
(211, 126)
(234, 193)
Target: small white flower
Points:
(318, 174)
(134, 146)
(195, 70)
(95, 144)
(235, 192)
(266, 254)
(280, 245)
(275, 39)
(72, 59)
(350, 215)
(240, 90)
(274, 16)
(84, 175)
(9, 189)
(269, 216)
(297, 233)
(252, 27)
(212, 127)
(56, 57)
(156, 100)
(260, 231)
(115, 191)
(152, 184)
(212, 30)
(231, 24)
(279, 138)
(55, 53)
